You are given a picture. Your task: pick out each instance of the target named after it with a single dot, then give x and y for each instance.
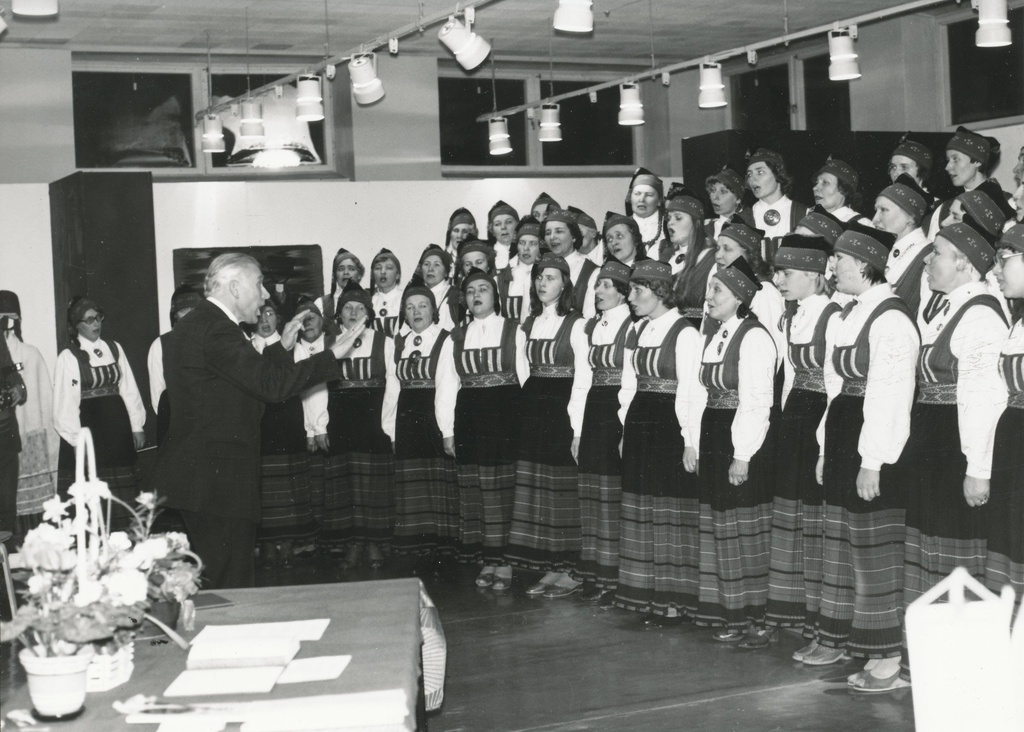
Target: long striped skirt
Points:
(111, 428)
(735, 528)
(659, 552)
(600, 486)
(794, 575)
(359, 472)
(1004, 512)
(862, 573)
(426, 481)
(545, 530)
(486, 438)
(942, 532)
(286, 505)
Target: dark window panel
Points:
(985, 83)
(828, 102)
(761, 99)
(591, 133)
(132, 120)
(463, 139)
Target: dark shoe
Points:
(268, 555)
(285, 554)
(823, 656)
(353, 555)
(607, 602)
(755, 640)
(592, 594)
(556, 591)
(375, 557)
(725, 635)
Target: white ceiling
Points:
(683, 29)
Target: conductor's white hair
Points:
(225, 268)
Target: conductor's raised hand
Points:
(341, 347)
(291, 330)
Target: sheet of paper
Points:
(322, 668)
(242, 653)
(203, 682)
(300, 630)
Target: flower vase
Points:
(56, 684)
(166, 611)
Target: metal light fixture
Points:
(631, 109)
(37, 8)
(550, 124)
(309, 99)
(497, 130)
(712, 89)
(213, 134)
(574, 16)
(993, 25)
(843, 64)
(470, 49)
(366, 87)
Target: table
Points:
(377, 623)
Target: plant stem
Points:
(181, 642)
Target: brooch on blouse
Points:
(417, 340)
(98, 352)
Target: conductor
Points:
(208, 466)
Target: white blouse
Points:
(67, 388)
(784, 207)
(980, 390)
(756, 388)
(260, 343)
(520, 286)
(545, 327)
(155, 366)
(801, 332)
(314, 399)
(892, 375)
(391, 305)
(903, 252)
(442, 291)
(768, 305)
(687, 357)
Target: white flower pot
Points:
(56, 684)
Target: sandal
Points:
(486, 577)
(807, 650)
(823, 656)
(873, 684)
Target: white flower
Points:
(147, 500)
(119, 542)
(89, 490)
(126, 586)
(177, 541)
(54, 510)
(89, 592)
(38, 584)
(48, 547)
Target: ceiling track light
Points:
(470, 49)
(366, 87)
(36, 8)
(631, 109)
(574, 16)
(550, 123)
(497, 132)
(993, 24)
(712, 88)
(843, 65)
(213, 134)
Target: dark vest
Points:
(483, 367)
(808, 359)
(851, 362)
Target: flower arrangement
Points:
(87, 584)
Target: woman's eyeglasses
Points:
(93, 319)
(1004, 255)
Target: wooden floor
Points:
(518, 663)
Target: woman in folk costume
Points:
(775, 214)
(600, 463)
(913, 159)
(359, 472)
(426, 481)
(542, 206)
(488, 356)
(37, 463)
(347, 267)
(386, 273)
(94, 387)
(433, 267)
(898, 211)
(519, 275)
(545, 530)
(874, 351)
(659, 556)
(461, 226)
(502, 221)
(970, 158)
(684, 229)
(563, 237)
(286, 514)
(960, 396)
(836, 190)
(475, 254)
(739, 241)
(622, 240)
(731, 453)
(1004, 512)
(725, 189)
(795, 559)
(645, 202)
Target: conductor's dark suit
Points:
(208, 467)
